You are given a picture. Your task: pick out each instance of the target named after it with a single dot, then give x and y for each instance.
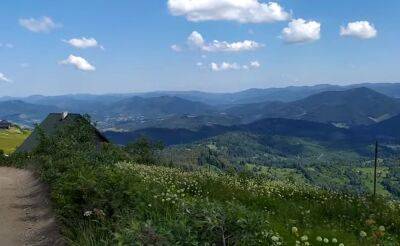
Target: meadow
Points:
(125, 196)
(12, 138)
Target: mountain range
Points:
(343, 106)
(359, 106)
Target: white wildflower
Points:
(87, 213)
(275, 238)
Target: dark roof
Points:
(4, 123)
(51, 125)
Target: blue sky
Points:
(134, 38)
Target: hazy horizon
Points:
(200, 91)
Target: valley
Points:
(314, 136)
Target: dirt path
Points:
(25, 217)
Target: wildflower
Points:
(304, 238)
(326, 240)
(87, 213)
(99, 212)
(370, 222)
(334, 240)
(319, 239)
(382, 228)
(294, 230)
(275, 238)
(363, 234)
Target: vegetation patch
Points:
(126, 196)
(10, 139)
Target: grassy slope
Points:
(166, 206)
(11, 139)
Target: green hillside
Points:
(127, 196)
(11, 139)
(359, 106)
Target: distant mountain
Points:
(190, 122)
(285, 94)
(155, 107)
(359, 106)
(24, 113)
(388, 128)
(192, 109)
(284, 127)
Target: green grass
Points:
(367, 178)
(11, 139)
(276, 173)
(104, 197)
(165, 206)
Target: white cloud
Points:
(226, 66)
(176, 48)
(255, 64)
(44, 24)
(79, 63)
(301, 31)
(83, 43)
(196, 40)
(243, 11)
(3, 78)
(359, 29)
(199, 64)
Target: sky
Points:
(59, 47)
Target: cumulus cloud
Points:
(225, 66)
(196, 40)
(301, 31)
(83, 43)
(79, 63)
(44, 24)
(3, 78)
(176, 48)
(255, 64)
(359, 29)
(243, 11)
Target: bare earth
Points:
(25, 215)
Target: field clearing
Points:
(11, 139)
(367, 174)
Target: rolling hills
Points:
(360, 106)
(185, 110)
(24, 113)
